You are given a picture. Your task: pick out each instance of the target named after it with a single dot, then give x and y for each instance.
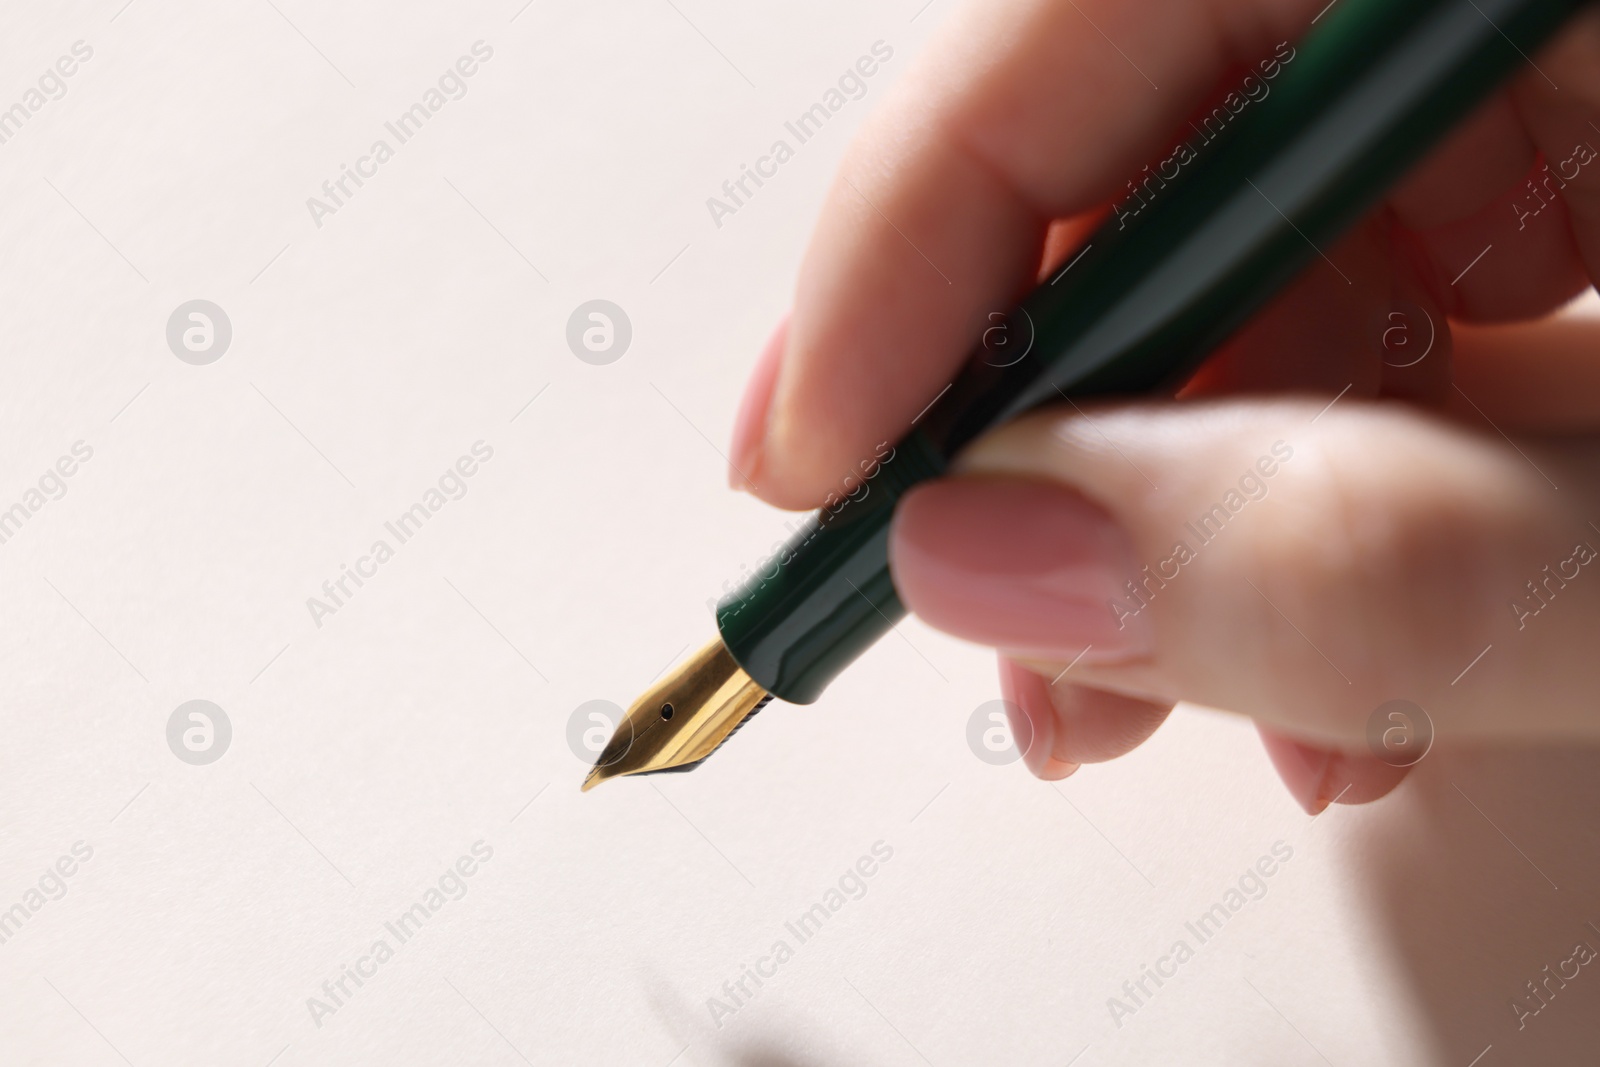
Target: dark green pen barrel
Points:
(1225, 223)
(825, 596)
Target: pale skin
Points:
(1390, 550)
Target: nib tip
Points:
(682, 719)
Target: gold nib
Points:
(682, 719)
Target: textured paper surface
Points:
(374, 746)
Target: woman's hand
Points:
(1297, 552)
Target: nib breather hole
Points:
(666, 712)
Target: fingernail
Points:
(1033, 720)
(750, 425)
(1027, 567)
(1318, 777)
(1304, 770)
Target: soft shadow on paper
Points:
(1484, 878)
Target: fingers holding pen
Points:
(1296, 565)
(1391, 569)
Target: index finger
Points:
(939, 211)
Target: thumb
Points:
(1295, 562)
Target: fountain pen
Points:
(1149, 294)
